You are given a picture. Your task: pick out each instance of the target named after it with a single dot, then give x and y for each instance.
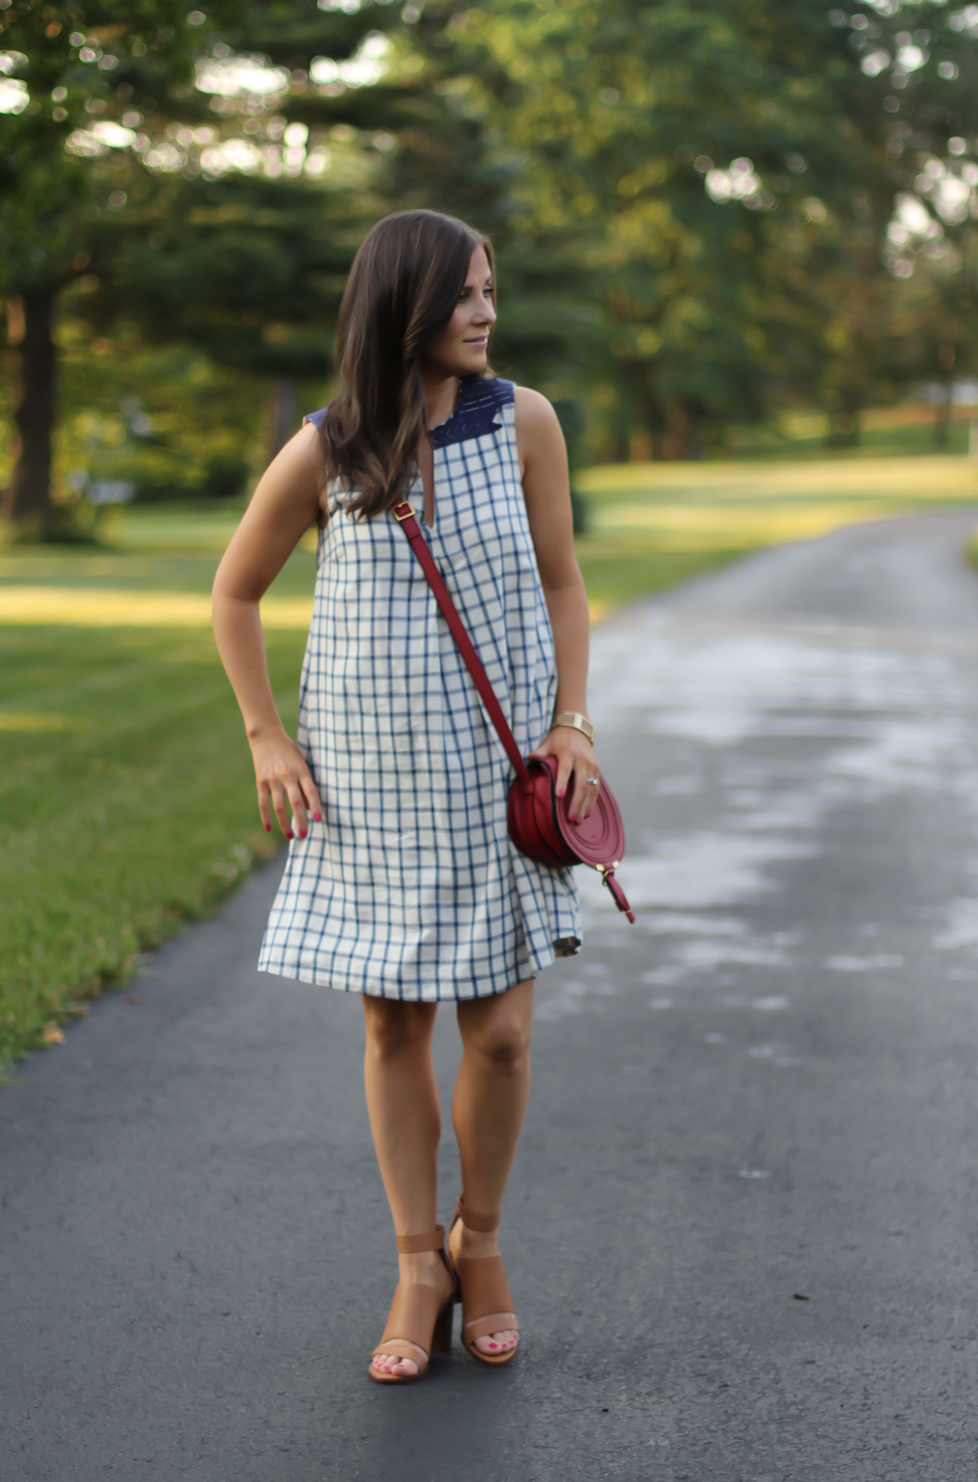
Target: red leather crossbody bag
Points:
(539, 824)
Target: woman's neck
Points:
(440, 397)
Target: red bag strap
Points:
(404, 515)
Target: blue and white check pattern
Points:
(410, 887)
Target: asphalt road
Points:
(742, 1225)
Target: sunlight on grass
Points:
(80, 608)
(671, 519)
(920, 479)
(38, 724)
(704, 526)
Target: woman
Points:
(402, 884)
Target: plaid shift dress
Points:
(410, 888)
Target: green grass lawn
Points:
(651, 524)
(617, 571)
(127, 800)
(127, 804)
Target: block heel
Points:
(441, 1338)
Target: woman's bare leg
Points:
(405, 1119)
(491, 1093)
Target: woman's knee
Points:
(502, 1039)
(395, 1028)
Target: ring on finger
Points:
(593, 781)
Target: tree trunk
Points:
(29, 495)
(845, 428)
(283, 414)
(942, 422)
(620, 446)
(673, 441)
(651, 420)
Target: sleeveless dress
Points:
(410, 887)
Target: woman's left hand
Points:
(577, 766)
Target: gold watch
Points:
(577, 720)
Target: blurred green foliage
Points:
(704, 213)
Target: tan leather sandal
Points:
(486, 1302)
(420, 1320)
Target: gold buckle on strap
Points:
(402, 511)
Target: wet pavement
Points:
(741, 1230)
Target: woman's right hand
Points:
(284, 783)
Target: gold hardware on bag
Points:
(408, 511)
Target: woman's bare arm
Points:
(546, 486)
(284, 505)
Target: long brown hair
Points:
(401, 293)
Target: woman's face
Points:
(463, 346)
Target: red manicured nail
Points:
(302, 833)
(493, 1345)
(317, 817)
(290, 835)
(268, 828)
(561, 791)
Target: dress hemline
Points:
(535, 965)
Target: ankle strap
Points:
(412, 1245)
(482, 1224)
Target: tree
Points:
(619, 110)
(727, 171)
(113, 167)
(61, 74)
(698, 207)
(873, 332)
(931, 240)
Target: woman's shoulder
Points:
(530, 403)
(534, 414)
